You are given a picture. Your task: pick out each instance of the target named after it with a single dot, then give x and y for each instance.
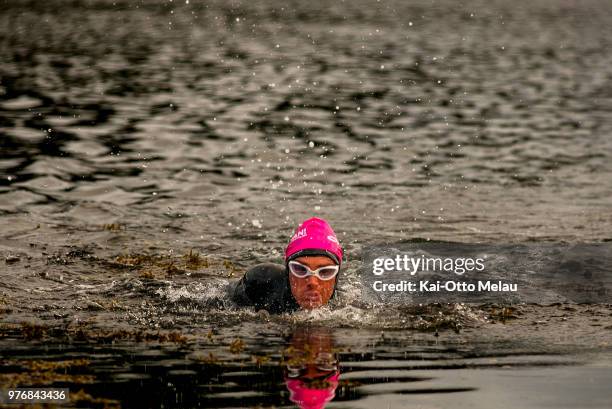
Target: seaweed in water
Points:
(260, 360)
(39, 373)
(3, 305)
(83, 397)
(237, 346)
(503, 313)
(113, 227)
(31, 331)
(193, 261)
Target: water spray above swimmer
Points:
(307, 280)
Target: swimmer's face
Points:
(311, 292)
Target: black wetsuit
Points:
(265, 286)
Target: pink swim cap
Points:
(314, 237)
(311, 398)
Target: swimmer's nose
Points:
(312, 281)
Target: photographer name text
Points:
(440, 286)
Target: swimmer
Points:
(308, 279)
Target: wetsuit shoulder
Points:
(265, 286)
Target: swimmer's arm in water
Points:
(263, 286)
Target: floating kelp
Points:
(503, 313)
(193, 261)
(3, 304)
(31, 331)
(36, 372)
(113, 227)
(193, 264)
(237, 346)
(82, 397)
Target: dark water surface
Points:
(376, 370)
(152, 151)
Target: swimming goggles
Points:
(322, 273)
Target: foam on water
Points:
(213, 292)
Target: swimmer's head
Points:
(314, 237)
(312, 249)
(312, 280)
